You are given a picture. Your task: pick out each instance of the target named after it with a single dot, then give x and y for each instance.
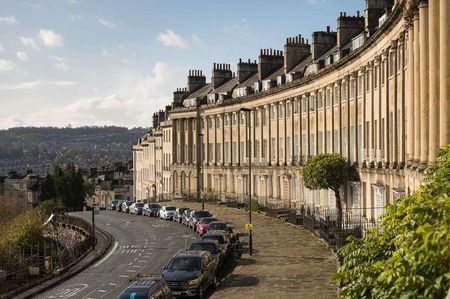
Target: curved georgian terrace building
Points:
(376, 91)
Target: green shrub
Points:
(408, 256)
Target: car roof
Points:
(205, 241)
(218, 222)
(215, 233)
(192, 253)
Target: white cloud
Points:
(171, 39)
(10, 20)
(1, 48)
(105, 52)
(240, 27)
(60, 63)
(29, 42)
(7, 65)
(62, 66)
(196, 40)
(22, 56)
(136, 99)
(50, 38)
(106, 23)
(75, 17)
(36, 84)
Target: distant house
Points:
(19, 189)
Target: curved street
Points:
(141, 245)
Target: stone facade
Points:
(376, 92)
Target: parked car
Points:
(126, 206)
(203, 224)
(190, 273)
(211, 246)
(119, 205)
(178, 214)
(221, 226)
(166, 212)
(154, 287)
(222, 238)
(136, 208)
(112, 205)
(196, 216)
(151, 209)
(186, 216)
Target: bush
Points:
(408, 256)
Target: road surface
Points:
(141, 245)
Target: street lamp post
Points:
(200, 195)
(249, 151)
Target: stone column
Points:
(285, 104)
(222, 119)
(380, 118)
(356, 145)
(269, 139)
(332, 117)
(238, 142)
(433, 11)
(364, 131)
(324, 103)
(424, 82)
(230, 123)
(340, 117)
(417, 121)
(300, 128)
(444, 72)
(395, 122)
(387, 101)
(410, 125)
(308, 127)
(349, 79)
(372, 137)
(316, 113)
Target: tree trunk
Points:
(339, 213)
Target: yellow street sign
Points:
(249, 226)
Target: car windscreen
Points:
(185, 263)
(210, 247)
(114, 202)
(217, 226)
(208, 220)
(202, 214)
(139, 205)
(214, 237)
(129, 203)
(154, 206)
(171, 208)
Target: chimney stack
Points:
(295, 51)
(178, 97)
(246, 69)
(195, 80)
(322, 41)
(155, 120)
(375, 9)
(347, 28)
(221, 73)
(269, 61)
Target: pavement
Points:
(141, 245)
(287, 261)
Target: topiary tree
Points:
(408, 255)
(327, 171)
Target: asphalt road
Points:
(141, 245)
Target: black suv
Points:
(196, 216)
(212, 246)
(154, 287)
(190, 273)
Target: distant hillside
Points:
(40, 148)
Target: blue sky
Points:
(111, 62)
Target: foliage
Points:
(254, 205)
(408, 255)
(325, 171)
(66, 186)
(23, 232)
